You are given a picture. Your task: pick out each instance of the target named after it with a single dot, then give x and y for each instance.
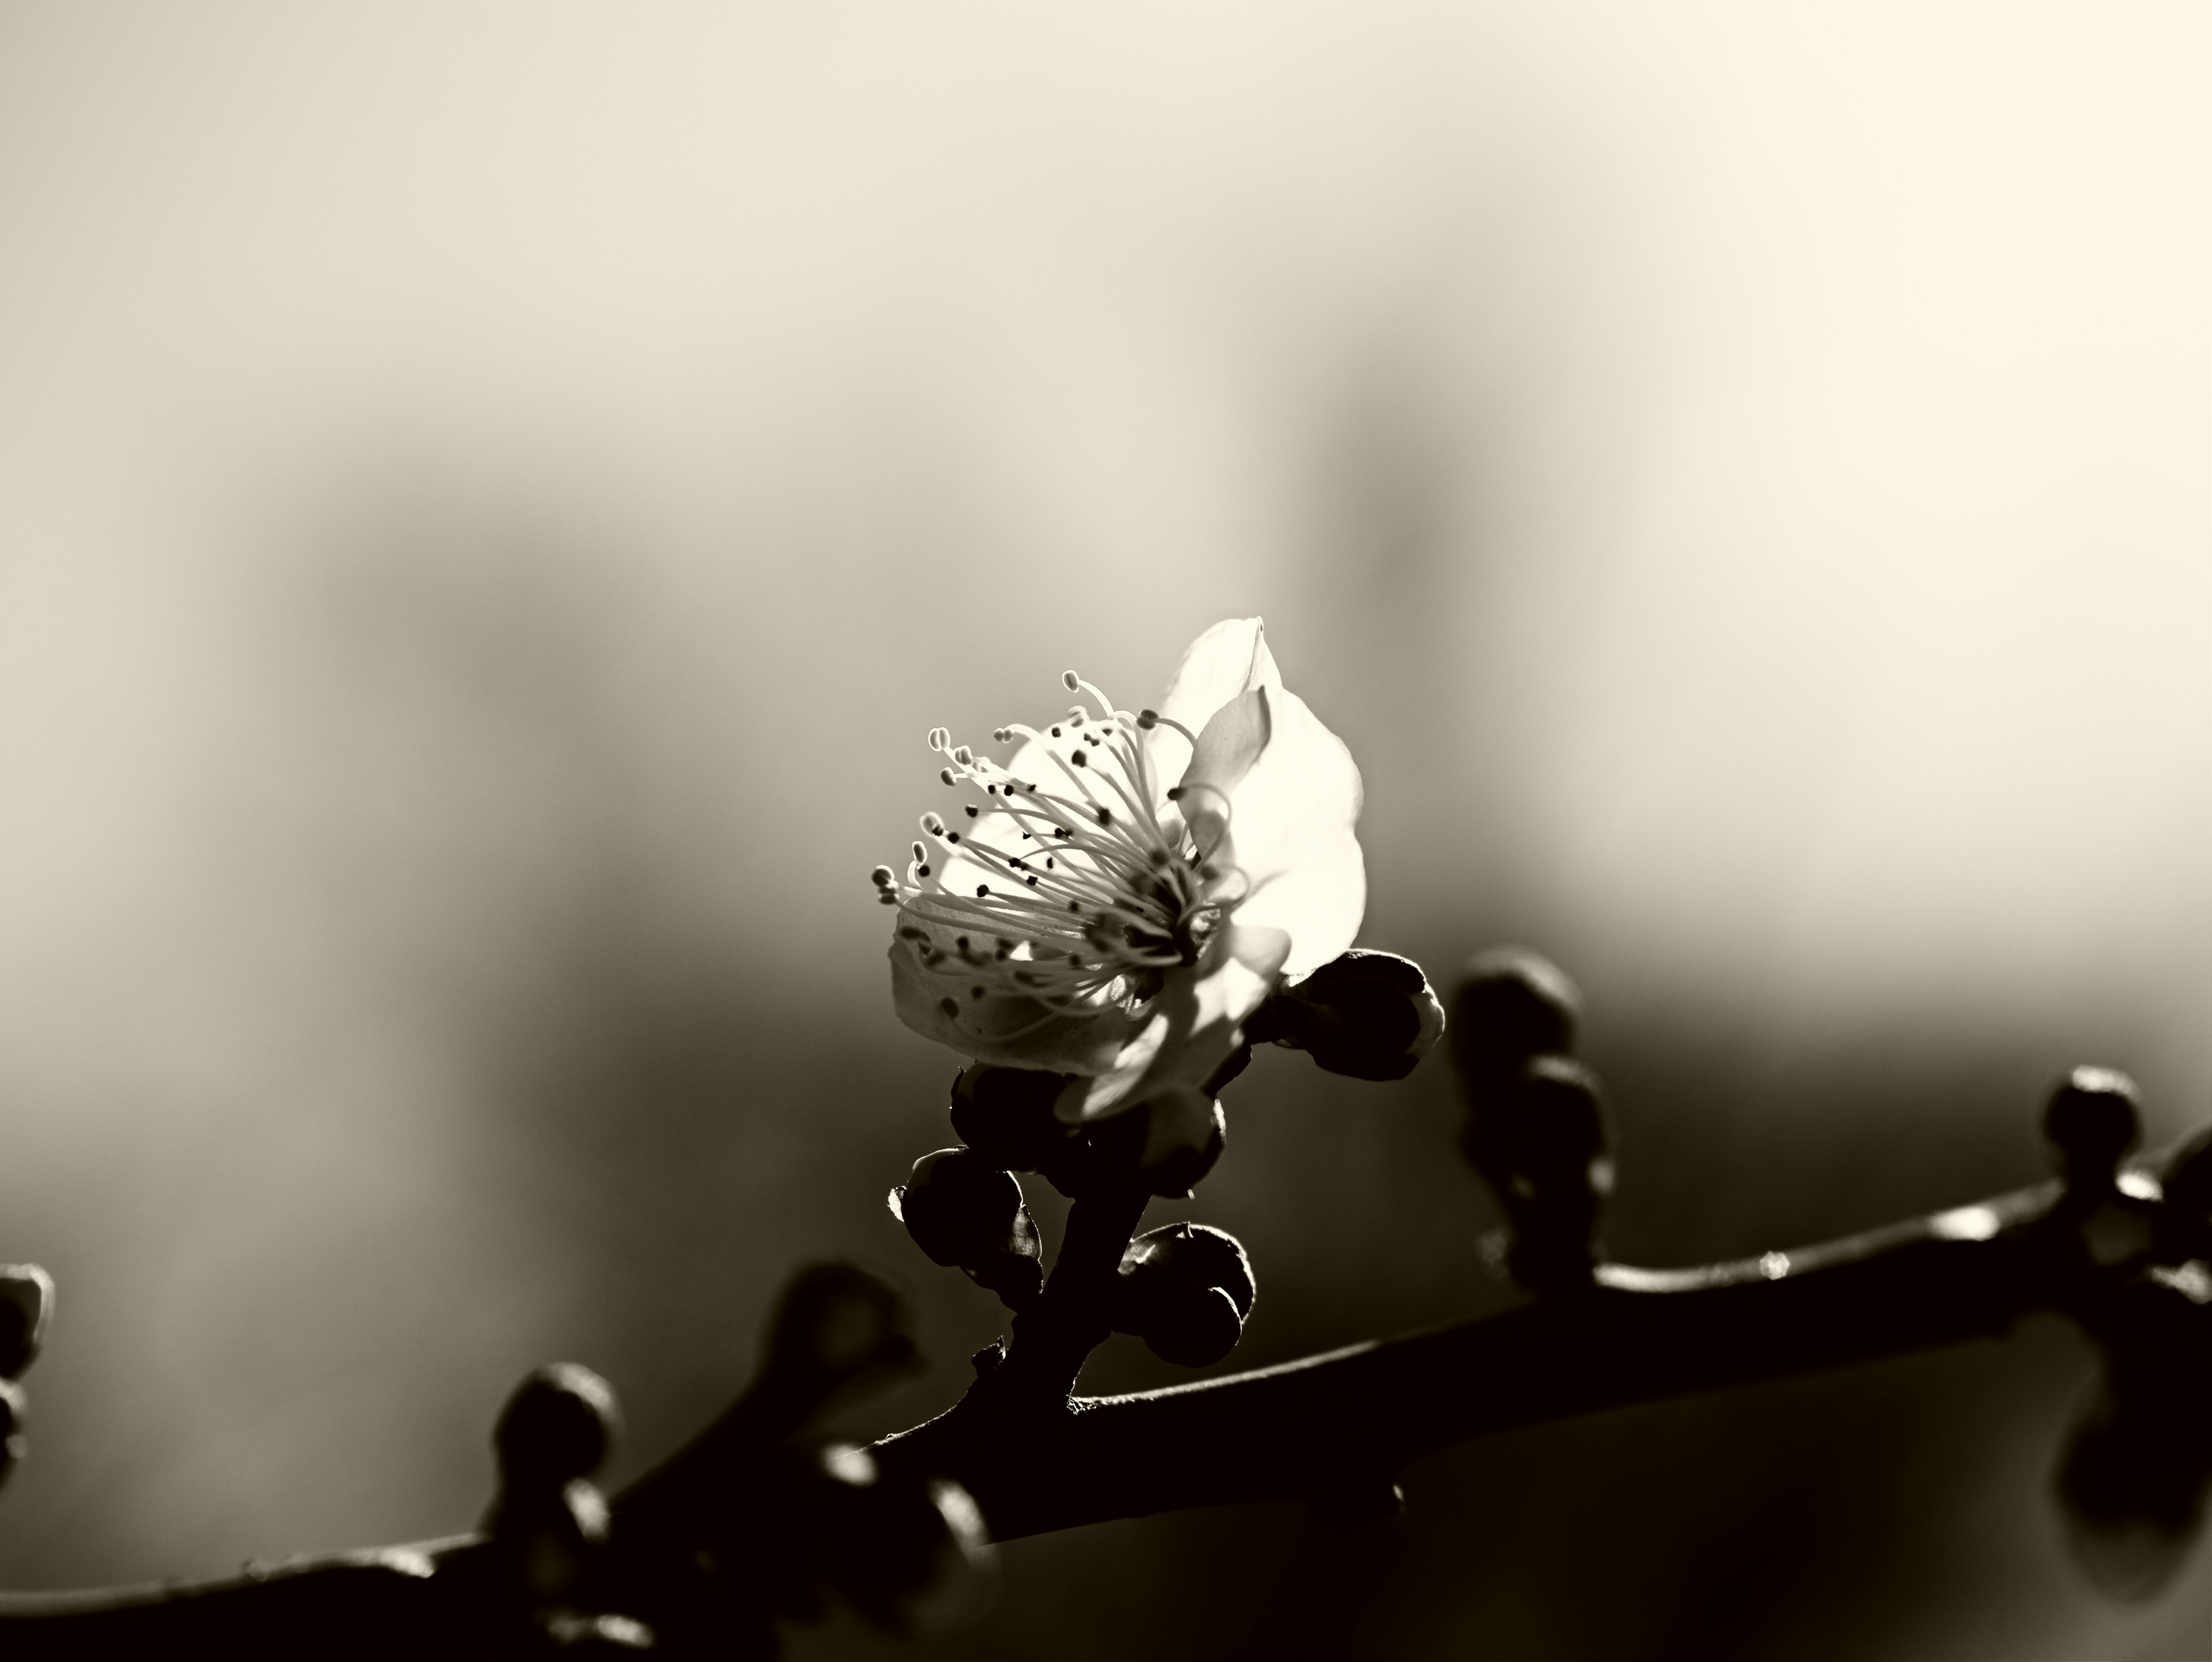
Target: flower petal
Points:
(1229, 659)
(1007, 1030)
(1293, 818)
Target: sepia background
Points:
(491, 497)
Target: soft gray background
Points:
(491, 497)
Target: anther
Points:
(982, 891)
(965, 755)
(1148, 719)
(882, 877)
(1070, 680)
(920, 852)
(973, 811)
(1055, 732)
(939, 738)
(947, 775)
(933, 823)
(1078, 758)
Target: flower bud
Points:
(13, 1446)
(2091, 1122)
(558, 1425)
(966, 1213)
(2137, 1465)
(1511, 1004)
(1006, 1114)
(27, 1304)
(1367, 1015)
(837, 1325)
(1164, 1146)
(1186, 1290)
(1541, 1140)
(549, 1518)
(912, 1555)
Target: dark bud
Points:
(837, 1327)
(1164, 1146)
(27, 1304)
(1369, 1015)
(2135, 1470)
(1006, 1114)
(967, 1213)
(1543, 1142)
(1511, 1004)
(558, 1426)
(549, 1519)
(911, 1555)
(12, 1448)
(1186, 1290)
(2091, 1123)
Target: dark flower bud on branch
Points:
(1367, 1015)
(1164, 1145)
(1186, 1291)
(2091, 1123)
(12, 1444)
(838, 1329)
(1511, 1004)
(910, 1554)
(550, 1519)
(967, 1213)
(1543, 1142)
(2135, 1473)
(26, 1303)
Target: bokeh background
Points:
(492, 497)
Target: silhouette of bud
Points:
(1186, 1290)
(1541, 1140)
(27, 1304)
(2134, 1475)
(12, 1444)
(558, 1425)
(966, 1213)
(1006, 1114)
(1367, 1015)
(837, 1326)
(911, 1555)
(556, 1430)
(2091, 1123)
(1165, 1147)
(1511, 1004)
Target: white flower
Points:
(1120, 895)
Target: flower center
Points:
(1070, 887)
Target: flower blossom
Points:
(1114, 901)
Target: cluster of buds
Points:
(756, 1519)
(1536, 1124)
(26, 1303)
(2135, 1470)
(1186, 1290)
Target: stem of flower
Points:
(1054, 1336)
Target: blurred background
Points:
(491, 497)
